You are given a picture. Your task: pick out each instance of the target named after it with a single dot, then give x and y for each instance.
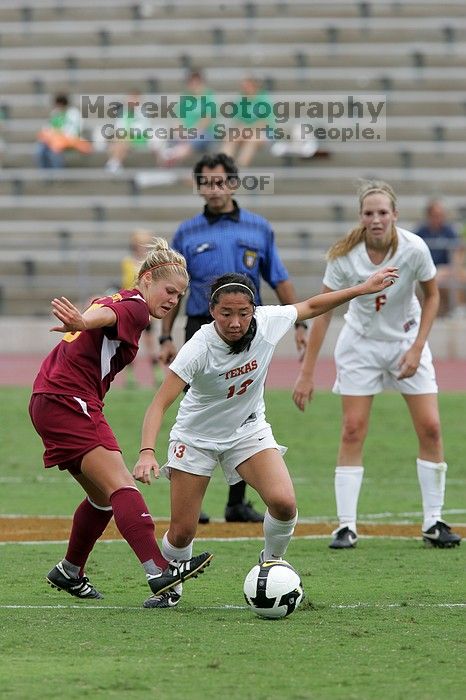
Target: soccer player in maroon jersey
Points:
(66, 411)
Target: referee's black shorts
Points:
(193, 324)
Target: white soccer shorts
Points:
(202, 462)
(366, 367)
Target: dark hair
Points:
(62, 100)
(236, 283)
(212, 161)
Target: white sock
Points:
(172, 553)
(277, 534)
(431, 477)
(348, 482)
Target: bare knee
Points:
(430, 432)
(181, 535)
(353, 431)
(282, 507)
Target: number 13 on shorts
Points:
(179, 450)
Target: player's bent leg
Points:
(431, 470)
(186, 494)
(267, 473)
(107, 471)
(349, 471)
(89, 522)
(355, 424)
(426, 420)
(348, 482)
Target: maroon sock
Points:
(135, 523)
(89, 523)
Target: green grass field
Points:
(383, 621)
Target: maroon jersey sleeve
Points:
(84, 363)
(132, 315)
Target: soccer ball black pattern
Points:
(273, 589)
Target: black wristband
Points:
(143, 449)
(163, 339)
(300, 324)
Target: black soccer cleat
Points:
(344, 538)
(203, 519)
(243, 513)
(77, 587)
(167, 599)
(179, 572)
(440, 535)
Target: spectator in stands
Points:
(193, 119)
(132, 131)
(253, 117)
(448, 253)
(382, 344)
(140, 242)
(62, 133)
(225, 238)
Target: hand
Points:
(167, 352)
(409, 363)
(144, 466)
(71, 318)
(380, 280)
(300, 340)
(302, 392)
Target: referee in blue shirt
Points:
(225, 238)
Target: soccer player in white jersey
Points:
(382, 344)
(221, 420)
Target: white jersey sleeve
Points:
(422, 263)
(190, 359)
(335, 277)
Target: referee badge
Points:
(249, 258)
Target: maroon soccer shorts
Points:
(69, 428)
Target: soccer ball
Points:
(273, 589)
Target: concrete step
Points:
(324, 207)
(315, 179)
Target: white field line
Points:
(334, 606)
(218, 539)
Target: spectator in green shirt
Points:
(195, 118)
(252, 104)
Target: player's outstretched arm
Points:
(304, 385)
(171, 388)
(73, 320)
(319, 304)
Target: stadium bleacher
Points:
(66, 231)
